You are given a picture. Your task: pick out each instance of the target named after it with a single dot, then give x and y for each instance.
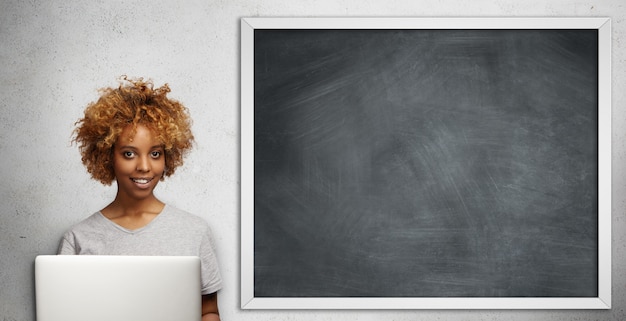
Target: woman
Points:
(137, 136)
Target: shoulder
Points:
(93, 222)
(181, 217)
(174, 221)
(73, 239)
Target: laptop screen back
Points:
(117, 288)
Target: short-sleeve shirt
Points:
(171, 233)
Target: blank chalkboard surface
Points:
(425, 163)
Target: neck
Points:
(133, 207)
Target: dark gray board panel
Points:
(425, 163)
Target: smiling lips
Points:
(142, 181)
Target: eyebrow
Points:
(133, 147)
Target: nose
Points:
(143, 164)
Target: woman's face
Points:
(138, 163)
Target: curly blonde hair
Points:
(134, 102)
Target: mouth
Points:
(142, 181)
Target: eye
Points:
(128, 154)
(155, 154)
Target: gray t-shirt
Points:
(172, 232)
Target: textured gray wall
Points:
(54, 56)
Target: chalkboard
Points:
(426, 163)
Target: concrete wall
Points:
(54, 55)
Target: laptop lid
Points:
(117, 288)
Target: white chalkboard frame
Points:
(602, 301)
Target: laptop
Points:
(117, 288)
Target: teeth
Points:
(141, 180)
